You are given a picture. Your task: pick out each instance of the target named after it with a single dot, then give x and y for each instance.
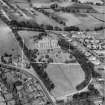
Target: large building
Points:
(47, 44)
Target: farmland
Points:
(89, 22)
(45, 20)
(83, 20)
(69, 18)
(86, 21)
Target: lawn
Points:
(65, 77)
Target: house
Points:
(92, 58)
(47, 44)
(96, 62)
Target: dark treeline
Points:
(86, 65)
(71, 28)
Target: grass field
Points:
(65, 78)
(27, 36)
(99, 16)
(42, 19)
(90, 22)
(100, 9)
(69, 18)
(84, 21)
(7, 40)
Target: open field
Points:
(100, 9)
(90, 22)
(24, 3)
(27, 36)
(7, 40)
(98, 16)
(42, 19)
(84, 21)
(69, 18)
(100, 34)
(65, 77)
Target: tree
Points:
(30, 2)
(71, 28)
(57, 28)
(74, 1)
(49, 27)
(54, 6)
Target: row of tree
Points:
(19, 25)
(33, 25)
(87, 66)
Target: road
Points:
(76, 92)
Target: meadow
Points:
(65, 77)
